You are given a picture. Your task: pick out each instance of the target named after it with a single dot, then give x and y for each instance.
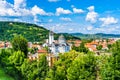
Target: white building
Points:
(60, 47)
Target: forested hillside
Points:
(31, 32)
(95, 36)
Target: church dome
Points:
(61, 39)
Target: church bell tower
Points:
(51, 37)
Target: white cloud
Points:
(24, 12)
(75, 10)
(16, 20)
(89, 28)
(19, 3)
(65, 19)
(108, 21)
(70, 29)
(36, 10)
(91, 8)
(60, 11)
(53, 0)
(50, 20)
(7, 9)
(35, 19)
(5, 4)
(91, 15)
(11, 12)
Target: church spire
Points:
(51, 37)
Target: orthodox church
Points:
(59, 46)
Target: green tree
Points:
(19, 43)
(111, 68)
(42, 67)
(15, 62)
(106, 68)
(7, 62)
(116, 60)
(59, 70)
(37, 69)
(17, 59)
(109, 46)
(82, 68)
(28, 69)
(99, 47)
(4, 55)
(81, 48)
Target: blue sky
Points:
(83, 16)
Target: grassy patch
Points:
(3, 76)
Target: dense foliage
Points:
(110, 70)
(20, 68)
(20, 43)
(81, 48)
(35, 70)
(83, 68)
(99, 47)
(72, 65)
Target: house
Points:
(37, 46)
(75, 42)
(33, 56)
(5, 44)
(91, 46)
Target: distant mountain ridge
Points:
(97, 35)
(31, 32)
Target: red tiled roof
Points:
(1, 45)
(42, 51)
(91, 47)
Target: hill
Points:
(97, 35)
(31, 32)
